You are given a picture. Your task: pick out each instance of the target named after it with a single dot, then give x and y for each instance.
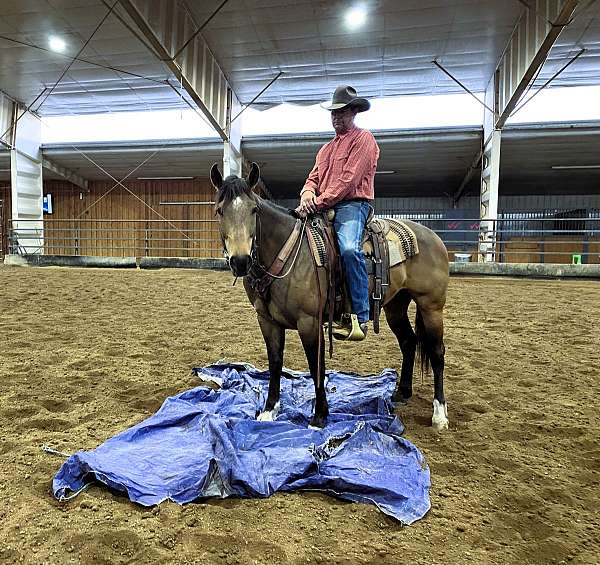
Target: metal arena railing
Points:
(522, 237)
(507, 239)
(116, 238)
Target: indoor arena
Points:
(188, 374)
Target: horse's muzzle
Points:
(240, 265)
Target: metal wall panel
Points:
(528, 48)
(26, 185)
(512, 203)
(169, 25)
(541, 202)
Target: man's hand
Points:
(308, 204)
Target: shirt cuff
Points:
(307, 189)
(319, 202)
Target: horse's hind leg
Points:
(396, 314)
(310, 335)
(430, 332)
(274, 336)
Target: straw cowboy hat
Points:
(346, 96)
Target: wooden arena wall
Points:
(139, 222)
(80, 224)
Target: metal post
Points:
(488, 209)
(490, 175)
(232, 148)
(26, 181)
(232, 160)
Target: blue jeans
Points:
(349, 223)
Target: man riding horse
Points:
(342, 179)
(269, 246)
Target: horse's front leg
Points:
(274, 336)
(310, 337)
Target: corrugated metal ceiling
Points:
(86, 88)
(255, 39)
(391, 55)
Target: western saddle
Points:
(385, 244)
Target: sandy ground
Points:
(87, 353)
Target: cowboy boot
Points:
(353, 331)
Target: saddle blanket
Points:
(402, 242)
(208, 443)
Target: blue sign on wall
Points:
(48, 204)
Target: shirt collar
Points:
(342, 135)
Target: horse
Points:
(253, 231)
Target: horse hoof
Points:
(317, 423)
(268, 415)
(399, 399)
(439, 426)
(439, 420)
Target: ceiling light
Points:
(57, 44)
(569, 167)
(384, 172)
(356, 17)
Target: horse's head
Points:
(236, 205)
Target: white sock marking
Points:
(439, 420)
(269, 415)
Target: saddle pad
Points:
(402, 242)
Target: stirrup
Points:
(351, 331)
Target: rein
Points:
(282, 256)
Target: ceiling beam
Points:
(65, 173)
(475, 165)
(174, 35)
(534, 35)
(527, 50)
(7, 115)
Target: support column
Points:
(534, 35)
(232, 160)
(232, 148)
(490, 177)
(26, 185)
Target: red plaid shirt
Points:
(344, 169)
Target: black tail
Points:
(422, 349)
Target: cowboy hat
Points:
(346, 96)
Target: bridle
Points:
(255, 263)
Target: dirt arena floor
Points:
(87, 353)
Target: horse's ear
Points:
(253, 176)
(215, 177)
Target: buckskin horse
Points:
(253, 231)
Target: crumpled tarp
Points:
(205, 442)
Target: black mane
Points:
(232, 187)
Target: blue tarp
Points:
(206, 442)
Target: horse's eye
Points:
(254, 210)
